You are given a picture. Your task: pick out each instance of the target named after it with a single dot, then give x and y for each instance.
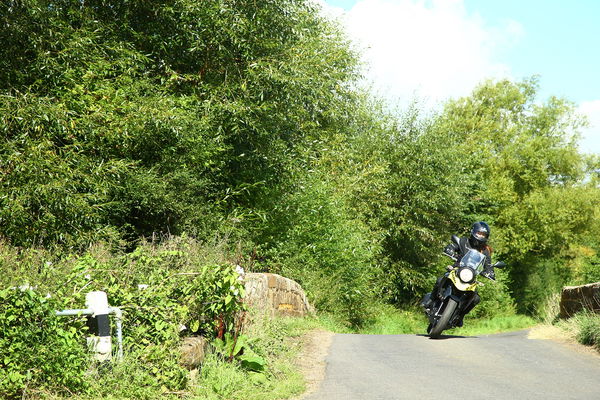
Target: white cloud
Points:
(590, 141)
(431, 49)
(435, 50)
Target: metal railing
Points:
(98, 309)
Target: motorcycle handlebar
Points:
(448, 255)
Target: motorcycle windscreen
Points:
(473, 259)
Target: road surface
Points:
(502, 366)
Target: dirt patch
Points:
(550, 332)
(311, 359)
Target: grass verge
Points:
(498, 324)
(389, 320)
(589, 329)
(584, 328)
(278, 341)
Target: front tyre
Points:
(442, 322)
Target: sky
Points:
(434, 50)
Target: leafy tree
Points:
(140, 117)
(403, 178)
(533, 184)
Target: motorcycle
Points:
(456, 291)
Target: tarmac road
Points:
(502, 366)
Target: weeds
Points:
(586, 327)
(273, 339)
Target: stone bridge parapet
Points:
(576, 298)
(276, 295)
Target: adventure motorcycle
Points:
(456, 291)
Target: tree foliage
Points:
(535, 187)
(244, 120)
(159, 116)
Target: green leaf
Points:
(253, 362)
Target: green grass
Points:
(221, 380)
(589, 329)
(388, 320)
(584, 327)
(277, 340)
(488, 326)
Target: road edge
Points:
(555, 334)
(312, 359)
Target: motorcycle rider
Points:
(480, 233)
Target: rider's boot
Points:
(427, 302)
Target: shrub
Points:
(589, 329)
(590, 271)
(542, 278)
(326, 248)
(495, 298)
(37, 349)
(165, 291)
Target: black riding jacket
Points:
(464, 246)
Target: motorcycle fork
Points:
(446, 292)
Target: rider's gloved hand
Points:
(490, 274)
(450, 250)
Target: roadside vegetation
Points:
(583, 327)
(588, 329)
(167, 143)
(166, 291)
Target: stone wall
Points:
(276, 295)
(575, 298)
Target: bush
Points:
(37, 349)
(542, 278)
(165, 291)
(589, 329)
(590, 270)
(327, 249)
(495, 298)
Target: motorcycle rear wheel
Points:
(442, 322)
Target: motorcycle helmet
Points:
(480, 233)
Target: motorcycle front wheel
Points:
(442, 322)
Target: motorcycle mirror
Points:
(456, 240)
(499, 264)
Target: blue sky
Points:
(559, 42)
(436, 49)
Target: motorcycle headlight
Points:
(466, 275)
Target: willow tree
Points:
(121, 119)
